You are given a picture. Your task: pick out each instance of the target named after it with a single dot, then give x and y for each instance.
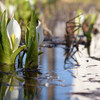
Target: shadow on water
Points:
(51, 83)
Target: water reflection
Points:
(31, 89)
(60, 80)
(24, 84)
(15, 87)
(6, 79)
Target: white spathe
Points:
(39, 33)
(14, 28)
(12, 10)
(2, 7)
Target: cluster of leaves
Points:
(6, 54)
(90, 25)
(32, 39)
(31, 43)
(87, 22)
(25, 13)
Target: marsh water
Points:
(52, 83)
(55, 80)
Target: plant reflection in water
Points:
(15, 87)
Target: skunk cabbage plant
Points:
(10, 35)
(33, 38)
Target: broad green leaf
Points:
(6, 52)
(13, 56)
(32, 27)
(32, 54)
(32, 51)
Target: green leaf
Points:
(8, 21)
(27, 36)
(14, 55)
(93, 20)
(5, 48)
(39, 53)
(86, 17)
(32, 55)
(32, 27)
(34, 2)
(32, 51)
